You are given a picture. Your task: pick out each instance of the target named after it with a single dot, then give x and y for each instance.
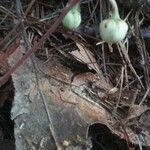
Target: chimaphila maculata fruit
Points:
(113, 29)
(73, 18)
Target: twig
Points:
(145, 95)
(104, 60)
(125, 54)
(7, 14)
(142, 50)
(9, 34)
(130, 83)
(140, 145)
(134, 97)
(4, 78)
(92, 13)
(49, 118)
(133, 100)
(4, 10)
(29, 7)
(125, 66)
(120, 91)
(16, 26)
(51, 127)
(24, 34)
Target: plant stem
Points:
(115, 11)
(76, 7)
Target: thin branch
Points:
(4, 78)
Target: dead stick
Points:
(15, 28)
(4, 78)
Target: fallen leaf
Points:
(85, 56)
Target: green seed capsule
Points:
(73, 18)
(114, 29)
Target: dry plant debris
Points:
(68, 89)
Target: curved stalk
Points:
(115, 11)
(76, 7)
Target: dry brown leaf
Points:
(85, 78)
(84, 55)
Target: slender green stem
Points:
(115, 11)
(76, 7)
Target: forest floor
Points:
(95, 77)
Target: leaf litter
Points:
(113, 90)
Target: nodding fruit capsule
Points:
(73, 18)
(113, 29)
